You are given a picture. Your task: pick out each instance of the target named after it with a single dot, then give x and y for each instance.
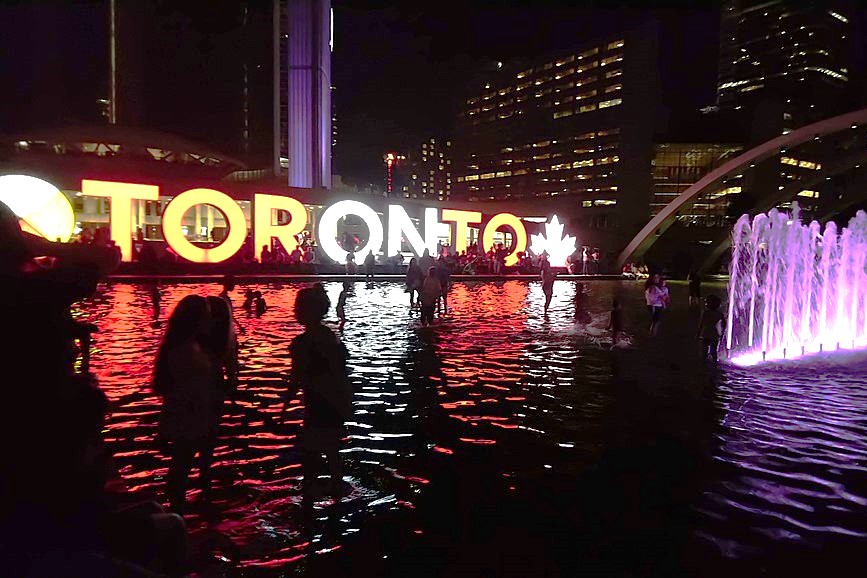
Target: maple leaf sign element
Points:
(554, 243)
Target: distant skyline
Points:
(399, 71)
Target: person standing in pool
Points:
(711, 327)
(431, 291)
(657, 298)
(341, 304)
(319, 369)
(369, 265)
(194, 369)
(615, 323)
(414, 280)
(694, 288)
(548, 278)
(156, 300)
(228, 287)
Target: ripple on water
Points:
(498, 382)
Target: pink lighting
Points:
(796, 291)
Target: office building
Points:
(571, 133)
(796, 53)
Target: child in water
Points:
(260, 305)
(710, 327)
(548, 277)
(319, 370)
(341, 304)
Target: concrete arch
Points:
(666, 217)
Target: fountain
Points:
(795, 290)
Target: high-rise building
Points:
(796, 53)
(570, 133)
(431, 171)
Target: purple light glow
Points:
(796, 291)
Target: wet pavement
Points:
(505, 443)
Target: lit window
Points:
(613, 87)
(608, 103)
(587, 108)
(613, 73)
(591, 52)
(610, 59)
(615, 44)
(584, 95)
(585, 163)
(472, 178)
(562, 113)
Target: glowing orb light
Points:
(41, 207)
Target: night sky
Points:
(399, 70)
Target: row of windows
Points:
(555, 167)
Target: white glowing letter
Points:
(327, 230)
(263, 221)
(173, 230)
(461, 219)
(400, 224)
(121, 196)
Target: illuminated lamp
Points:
(514, 223)
(327, 230)
(399, 224)
(461, 219)
(41, 208)
(174, 233)
(264, 228)
(121, 196)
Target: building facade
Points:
(794, 52)
(571, 133)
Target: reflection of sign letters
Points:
(399, 224)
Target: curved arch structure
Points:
(666, 217)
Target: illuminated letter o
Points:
(328, 228)
(514, 223)
(173, 231)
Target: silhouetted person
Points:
(414, 280)
(425, 262)
(431, 291)
(156, 300)
(615, 323)
(341, 304)
(189, 376)
(351, 267)
(369, 265)
(260, 305)
(444, 272)
(228, 287)
(694, 288)
(711, 326)
(319, 369)
(548, 277)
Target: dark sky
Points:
(399, 69)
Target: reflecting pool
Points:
(503, 440)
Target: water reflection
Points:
(506, 432)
